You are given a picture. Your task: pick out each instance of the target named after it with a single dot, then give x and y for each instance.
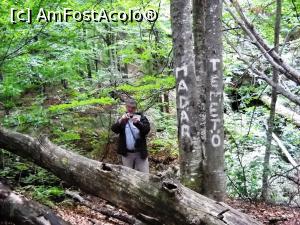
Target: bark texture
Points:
(201, 77)
(213, 162)
(160, 198)
(186, 94)
(15, 209)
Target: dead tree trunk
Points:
(15, 209)
(140, 194)
(281, 110)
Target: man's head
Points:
(131, 106)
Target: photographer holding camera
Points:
(133, 128)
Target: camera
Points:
(129, 115)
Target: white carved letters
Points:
(184, 102)
(182, 86)
(215, 97)
(184, 118)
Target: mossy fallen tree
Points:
(281, 110)
(157, 198)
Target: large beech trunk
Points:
(190, 148)
(143, 195)
(15, 209)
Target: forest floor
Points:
(268, 213)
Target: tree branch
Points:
(269, 53)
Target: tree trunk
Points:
(166, 102)
(184, 67)
(160, 103)
(15, 209)
(88, 63)
(266, 169)
(199, 9)
(143, 195)
(209, 66)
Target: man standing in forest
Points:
(133, 128)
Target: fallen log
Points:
(15, 209)
(282, 110)
(285, 151)
(158, 198)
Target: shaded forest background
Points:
(68, 81)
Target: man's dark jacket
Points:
(140, 144)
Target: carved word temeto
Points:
(215, 97)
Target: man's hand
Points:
(124, 118)
(135, 120)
